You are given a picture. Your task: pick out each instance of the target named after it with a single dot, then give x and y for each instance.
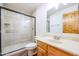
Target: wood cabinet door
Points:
(42, 45)
(42, 48)
(52, 51)
(41, 52)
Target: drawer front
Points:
(42, 45)
(57, 52)
(41, 52)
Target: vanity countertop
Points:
(67, 45)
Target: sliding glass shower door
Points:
(16, 30)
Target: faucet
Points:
(57, 37)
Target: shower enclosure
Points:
(16, 30)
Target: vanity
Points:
(52, 47)
(61, 22)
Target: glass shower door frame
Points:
(18, 13)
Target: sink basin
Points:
(55, 41)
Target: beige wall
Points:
(41, 18)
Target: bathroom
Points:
(39, 29)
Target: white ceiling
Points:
(27, 8)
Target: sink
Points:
(54, 41)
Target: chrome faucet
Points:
(57, 37)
